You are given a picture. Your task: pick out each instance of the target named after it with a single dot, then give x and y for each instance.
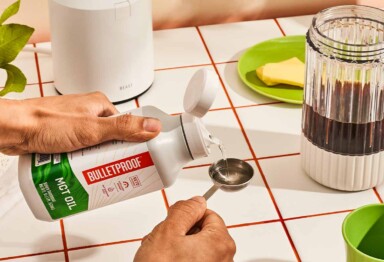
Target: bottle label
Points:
(97, 176)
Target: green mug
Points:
(363, 232)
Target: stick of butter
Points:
(289, 72)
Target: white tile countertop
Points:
(282, 216)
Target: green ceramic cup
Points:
(363, 231)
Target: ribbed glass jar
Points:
(343, 110)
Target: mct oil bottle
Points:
(61, 185)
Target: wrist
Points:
(12, 124)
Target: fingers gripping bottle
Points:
(61, 185)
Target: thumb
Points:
(130, 128)
(183, 215)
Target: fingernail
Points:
(199, 199)
(151, 125)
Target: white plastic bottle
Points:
(61, 185)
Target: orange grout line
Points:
(32, 84)
(228, 62)
(31, 255)
(262, 104)
(64, 240)
(140, 239)
(105, 244)
(319, 215)
(278, 25)
(38, 73)
(165, 198)
(237, 107)
(219, 109)
(377, 195)
(278, 156)
(48, 82)
(181, 67)
(291, 218)
(210, 110)
(197, 166)
(205, 165)
(254, 223)
(250, 148)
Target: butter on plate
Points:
(290, 72)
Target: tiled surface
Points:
(121, 221)
(256, 205)
(49, 90)
(272, 129)
(22, 234)
(264, 243)
(30, 91)
(282, 216)
(179, 47)
(297, 25)
(319, 239)
(380, 191)
(59, 256)
(26, 62)
(175, 82)
(224, 125)
(226, 42)
(116, 253)
(45, 63)
(298, 195)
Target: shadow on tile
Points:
(85, 242)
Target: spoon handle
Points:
(210, 192)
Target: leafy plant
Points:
(13, 38)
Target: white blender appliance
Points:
(102, 45)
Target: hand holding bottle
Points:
(67, 123)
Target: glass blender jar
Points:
(342, 139)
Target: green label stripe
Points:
(58, 187)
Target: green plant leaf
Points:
(16, 80)
(13, 37)
(10, 11)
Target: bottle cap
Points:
(201, 92)
(197, 137)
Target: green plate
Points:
(274, 50)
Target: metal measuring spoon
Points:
(231, 175)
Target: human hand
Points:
(191, 232)
(67, 123)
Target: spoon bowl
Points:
(229, 175)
